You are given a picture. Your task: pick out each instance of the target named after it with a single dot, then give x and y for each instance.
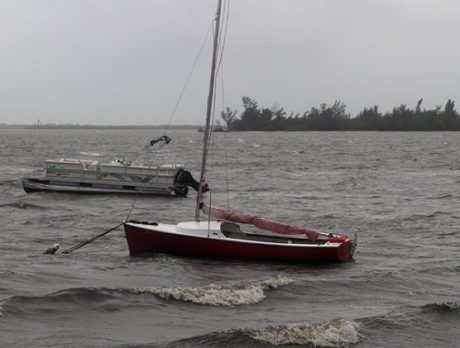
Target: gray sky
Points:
(126, 61)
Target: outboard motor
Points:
(184, 177)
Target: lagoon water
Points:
(400, 192)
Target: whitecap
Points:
(334, 333)
(453, 306)
(95, 154)
(222, 295)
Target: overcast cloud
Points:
(126, 61)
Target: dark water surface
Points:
(399, 191)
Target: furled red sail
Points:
(264, 224)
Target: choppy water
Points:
(399, 191)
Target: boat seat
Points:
(229, 228)
(232, 230)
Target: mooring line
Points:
(79, 245)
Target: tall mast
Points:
(207, 132)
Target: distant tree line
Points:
(336, 118)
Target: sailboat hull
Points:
(152, 239)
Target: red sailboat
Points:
(219, 235)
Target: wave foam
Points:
(95, 154)
(451, 306)
(334, 333)
(222, 295)
(217, 295)
(442, 307)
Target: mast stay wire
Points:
(222, 34)
(188, 79)
(227, 3)
(209, 142)
(179, 99)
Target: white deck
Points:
(212, 229)
(189, 228)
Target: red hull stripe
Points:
(142, 240)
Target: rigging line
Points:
(79, 245)
(210, 164)
(221, 43)
(226, 170)
(188, 78)
(130, 210)
(222, 35)
(209, 215)
(213, 106)
(221, 66)
(218, 47)
(224, 30)
(225, 136)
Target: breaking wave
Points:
(444, 306)
(334, 333)
(222, 295)
(215, 295)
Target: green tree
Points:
(249, 119)
(335, 117)
(228, 116)
(450, 116)
(368, 119)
